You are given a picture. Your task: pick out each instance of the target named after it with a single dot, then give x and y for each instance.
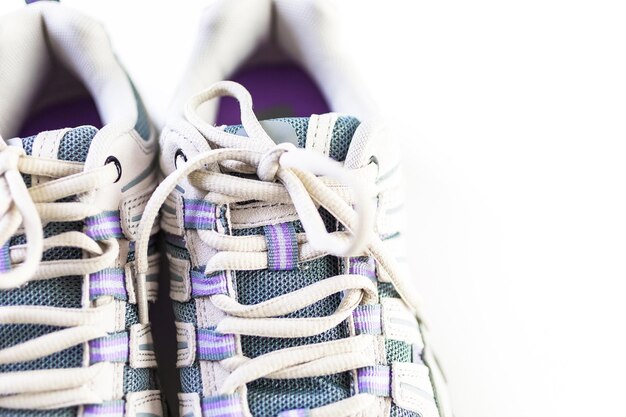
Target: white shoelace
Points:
(26, 209)
(297, 183)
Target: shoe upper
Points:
(274, 315)
(71, 338)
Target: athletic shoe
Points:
(75, 173)
(283, 236)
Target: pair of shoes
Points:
(283, 236)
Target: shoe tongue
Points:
(73, 145)
(337, 138)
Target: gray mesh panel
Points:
(139, 379)
(58, 292)
(75, 144)
(398, 351)
(27, 144)
(283, 282)
(176, 251)
(190, 380)
(61, 412)
(300, 125)
(131, 315)
(386, 290)
(342, 136)
(17, 333)
(268, 397)
(185, 312)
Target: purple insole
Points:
(280, 90)
(71, 113)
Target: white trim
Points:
(144, 403)
(185, 333)
(320, 132)
(411, 389)
(141, 335)
(189, 404)
(399, 323)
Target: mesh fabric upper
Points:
(63, 292)
(267, 397)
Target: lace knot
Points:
(270, 162)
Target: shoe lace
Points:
(302, 178)
(24, 210)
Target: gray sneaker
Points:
(284, 236)
(72, 342)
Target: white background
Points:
(512, 119)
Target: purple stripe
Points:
(106, 409)
(199, 219)
(281, 238)
(222, 406)
(107, 216)
(108, 281)
(202, 214)
(209, 210)
(110, 228)
(292, 250)
(112, 348)
(204, 286)
(99, 219)
(107, 287)
(282, 247)
(213, 346)
(375, 380)
(198, 206)
(282, 233)
(274, 248)
(104, 226)
(5, 260)
(367, 319)
(198, 214)
(363, 266)
(300, 412)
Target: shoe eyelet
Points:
(118, 166)
(179, 154)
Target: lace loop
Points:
(22, 208)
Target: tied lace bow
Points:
(305, 179)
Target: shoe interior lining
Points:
(77, 111)
(278, 90)
(62, 101)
